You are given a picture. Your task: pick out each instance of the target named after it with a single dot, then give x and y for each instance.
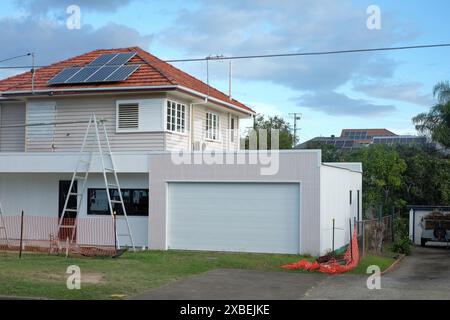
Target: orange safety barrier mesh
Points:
(351, 259)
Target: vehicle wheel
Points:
(423, 241)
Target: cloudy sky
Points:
(384, 89)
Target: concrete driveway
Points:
(423, 275)
(224, 284)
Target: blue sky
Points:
(332, 92)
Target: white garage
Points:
(231, 216)
(240, 206)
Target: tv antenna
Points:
(297, 117)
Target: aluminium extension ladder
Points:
(109, 176)
(3, 226)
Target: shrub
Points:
(401, 243)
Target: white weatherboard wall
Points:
(151, 115)
(12, 139)
(37, 195)
(40, 137)
(152, 134)
(241, 217)
(335, 186)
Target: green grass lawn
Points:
(41, 275)
(383, 260)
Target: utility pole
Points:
(297, 117)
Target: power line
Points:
(279, 55)
(317, 53)
(16, 57)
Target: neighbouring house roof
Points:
(341, 143)
(428, 208)
(153, 73)
(370, 132)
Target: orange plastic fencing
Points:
(351, 259)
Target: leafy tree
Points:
(329, 152)
(285, 135)
(426, 180)
(383, 171)
(436, 122)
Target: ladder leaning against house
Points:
(3, 231)
(81, 173)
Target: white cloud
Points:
(267, 27)
(339, 104)
(44, 6)
(52, 41)
(409, 92)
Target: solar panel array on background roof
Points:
(109, 67)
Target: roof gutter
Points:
(89, 89)
(209, 98)
(166, 87)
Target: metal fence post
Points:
(333, 236)
(363, 225)
(392, 224)
(351, 242)
(21, 235)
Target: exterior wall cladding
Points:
(29, 180)
(68, 137)
(324, 194)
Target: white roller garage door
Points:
(247, 217)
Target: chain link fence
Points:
(374, 233)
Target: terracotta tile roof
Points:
(370, 132)
(153, 72)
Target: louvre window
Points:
(128, 116)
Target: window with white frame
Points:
(212, 126)
(142, 115)
(128, 116)
(233, 127)
(176, 117)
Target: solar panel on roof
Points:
(121, 58)
(108, 67)
(83, 74)
(64, 75)
(103, 59)
(102, 74)
(123, 73)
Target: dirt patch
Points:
(92, 278)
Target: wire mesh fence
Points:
(374, 233)
(86, 236)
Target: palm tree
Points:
(436, 122)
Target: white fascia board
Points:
(218, 101)
(133, 162)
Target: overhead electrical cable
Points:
(278, 55)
